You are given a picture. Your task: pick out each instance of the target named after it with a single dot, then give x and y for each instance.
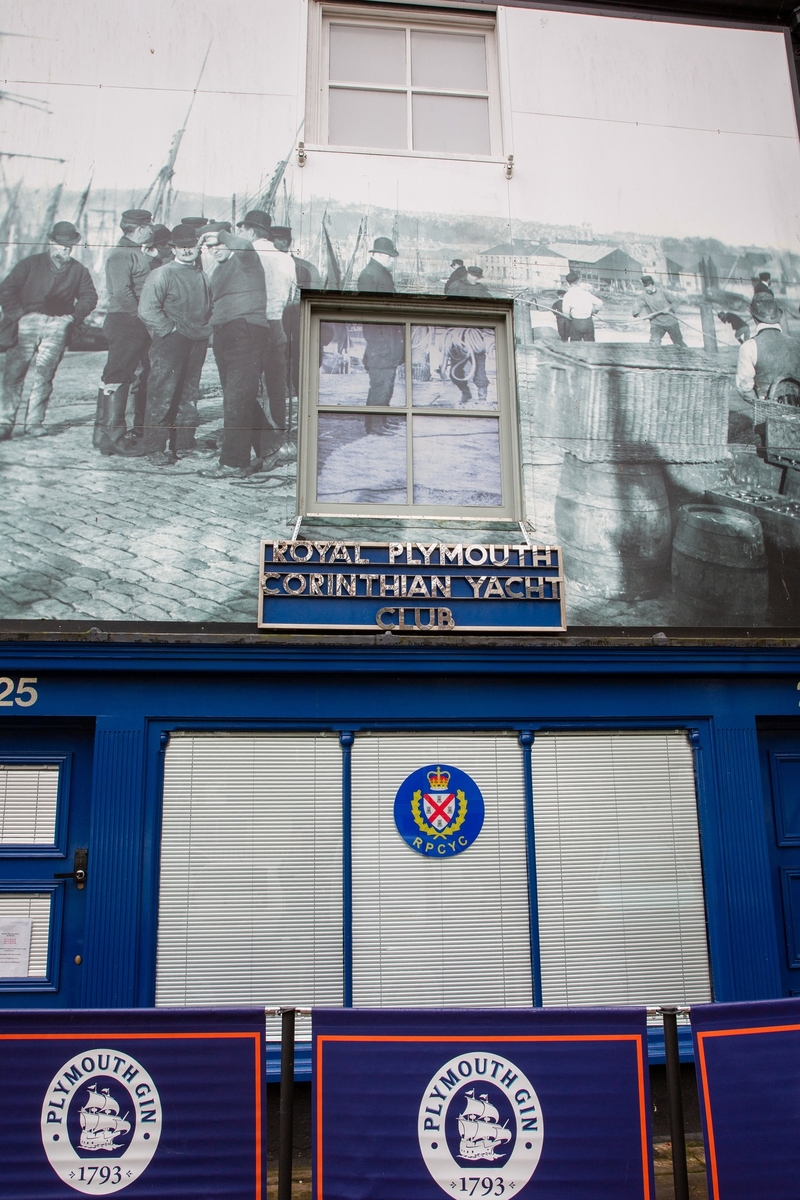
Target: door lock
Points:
(78, 872)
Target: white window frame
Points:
(396, 309)
(438, 20)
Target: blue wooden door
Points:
(780, 766)
(45, 796)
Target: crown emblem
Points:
(438, 779)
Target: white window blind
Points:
(620, 891)
(37, 906)
(28, 796)
(250, 902)
(433, 933)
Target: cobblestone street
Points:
(114, 539)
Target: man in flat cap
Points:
(238, 320)
(158, 249)
(768, 357)
(385, 344)
(45, 294)
(281, 282)
(579, 306)
(656, 307)
(127, 268)
(176, 308)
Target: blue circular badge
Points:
(438, 811)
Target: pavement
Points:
(696, 1166)
(83, 537)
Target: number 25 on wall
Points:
(25, 694)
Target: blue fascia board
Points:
(506, 657)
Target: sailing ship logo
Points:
(438, 811)
(480, 1112)
(101, 1124)
(479, 1129)
(101, 1121)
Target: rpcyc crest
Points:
(101, 1121)
(480, 1126)
(438, 811)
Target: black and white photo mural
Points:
(173, 187)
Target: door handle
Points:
(78, 872)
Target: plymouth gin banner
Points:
(411, 1104)
(747, 1059)
(152, 1102)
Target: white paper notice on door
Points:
(15, 947)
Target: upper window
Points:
(390, 81)
(409, 413)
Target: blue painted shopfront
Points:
(134, 696)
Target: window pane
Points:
(453, 367)
(457, 461)
(28, 805)
(362, 364)
(361, 459)
(16, 910)
(454, 61)
(450, 124)
(364, 55)
(366, 118)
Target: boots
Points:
(110, 428)
(99, 436)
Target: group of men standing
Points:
(163, 308)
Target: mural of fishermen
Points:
(175, 306)
(127, 268)
(42, 298)
(655, 306)
(239, 322)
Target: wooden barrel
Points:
(613, 523)
(719, 566)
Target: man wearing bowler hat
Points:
(385, 346)
(176, 308)
(376, 276)
(127, 268)
(44, 294)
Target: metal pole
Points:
(346, 738)
(526, 738)
(286, 1131)
(675, 1102)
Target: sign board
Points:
(502, 1103)
(168, 1103)
(411, 587)
(747, 1058)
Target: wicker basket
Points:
(665, 403)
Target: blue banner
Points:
(748, 1066)
(411, 1104)
(153, 1102)
(411, 587)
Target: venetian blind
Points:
(250, 902)
(28, 798)
(619, 881)
(434, 933)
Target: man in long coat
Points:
(385, 343)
